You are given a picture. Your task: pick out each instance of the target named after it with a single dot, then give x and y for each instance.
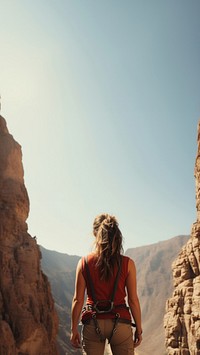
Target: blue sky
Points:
(104, 98)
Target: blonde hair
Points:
(108, 244)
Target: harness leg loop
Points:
(97, 328)
(117, 316)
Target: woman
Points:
(103, 271)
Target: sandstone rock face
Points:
(182, 318)
(28, 321)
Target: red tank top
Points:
(103, 289)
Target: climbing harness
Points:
(103, 306)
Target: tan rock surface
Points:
(182, 318)
(28, 322)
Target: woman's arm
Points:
(133, 300)
(77, 305)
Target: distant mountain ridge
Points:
(154, 278)
(60, 269)
(58, 261)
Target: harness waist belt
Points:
(90, 307)
(120, 320)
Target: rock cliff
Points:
(182, 318)
(28, 321)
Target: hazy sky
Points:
(104, 98)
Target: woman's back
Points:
(104, 288)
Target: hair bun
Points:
(110, 222)
(105, 222)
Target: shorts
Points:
(121, 343)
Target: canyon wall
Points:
(182, 318)
(28, 321)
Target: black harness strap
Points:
(97, 328)
(116, 280)
(90, 280)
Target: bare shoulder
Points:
(131, 265)
(131, 278)
(79, 265)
